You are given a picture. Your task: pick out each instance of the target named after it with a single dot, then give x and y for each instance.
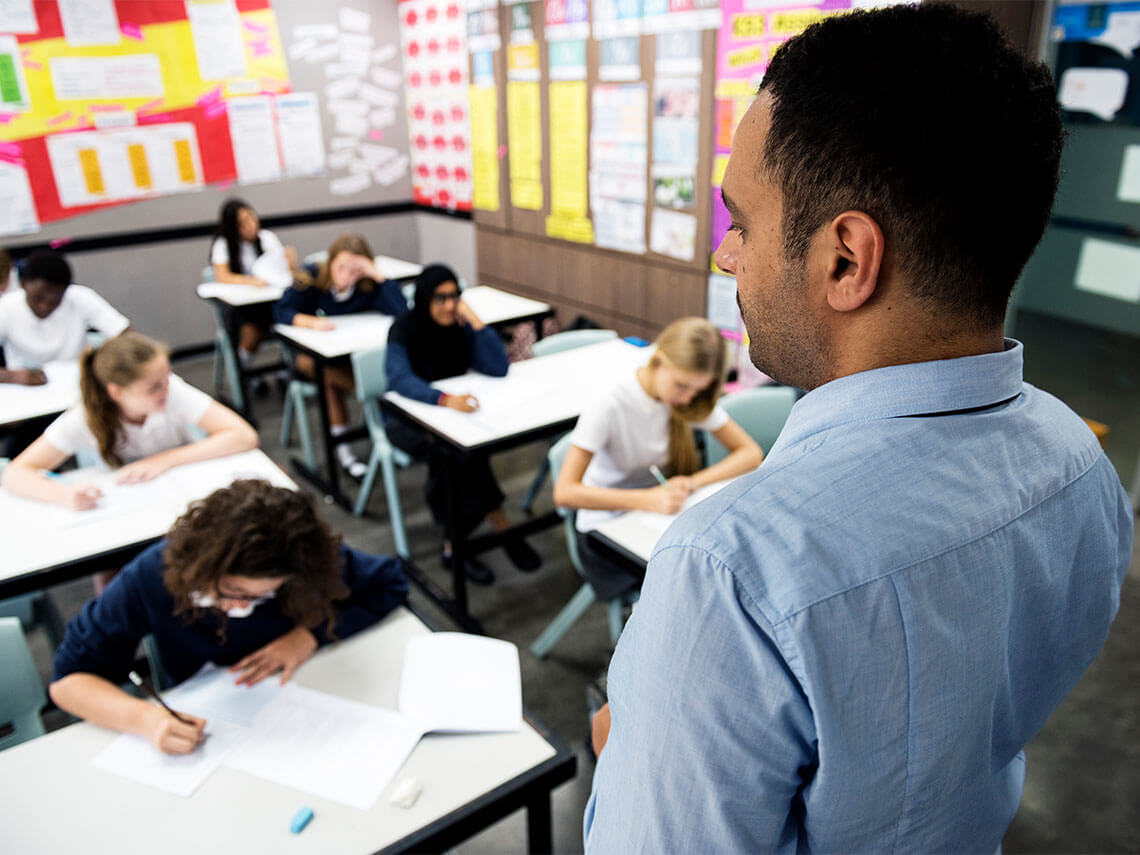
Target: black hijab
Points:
(434, 351)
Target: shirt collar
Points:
(919, 388)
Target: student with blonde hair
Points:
(136, 415)
(643, 423)
(347, 282)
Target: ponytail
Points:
(119, 360)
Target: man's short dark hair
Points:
(49, 266)
(928, 120)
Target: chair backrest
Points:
(761, 412)
(318, 257)
(554, 457)
(571, 339)
(23, 696)
(208, 273)
(369, 373)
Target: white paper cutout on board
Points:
(18, 16)
(1099, 91)
(89, 22)
(218, 45)
(254, 139)
(17, 207)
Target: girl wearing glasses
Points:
(346, 283)
(250, 578)
(442, 337)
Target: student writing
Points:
(250, 578)
(646, 421)
(346, 283)
(136, 415)
(442, 337)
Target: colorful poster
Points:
(483, 30)
(485, 147)
(13, 88)
(254, 136)
(616, 18)
(568, 168)
(620, 59)
(673, 234)
(619, 159)
(567, 20)
(747, 39)
(679, 53)
(567, 60)
(666, 16)
(524, 144)
(433, 34)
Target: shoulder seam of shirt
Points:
(781, 618)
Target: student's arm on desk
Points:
(743, 456)
(222, 273)
(228, 433)
(570, 492)
(298, 306)
(488, 355)
(23, 477)
(388, 298)
(23, 376)
(402, 379)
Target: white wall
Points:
(447, 240)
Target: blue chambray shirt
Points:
(847, 650)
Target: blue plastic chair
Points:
(297, 395)
(371, 383)
(557, 343)
(586, 595)
(23, 695)
(761, 412)
(224, 360)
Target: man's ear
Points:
(854, 245)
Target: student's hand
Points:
(683, 482)
(666, 499)
(28, 376)
(463, 403)
(366, 267)
(318, 323)
(146, 469)
(258, 282)
(291, 257)
(171, 736)
(465, 316)
(80, 497)
(286, 654)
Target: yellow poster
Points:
(484, 148)
(569, 199)
(524, 143)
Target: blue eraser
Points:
(634, 340)
(300, 820)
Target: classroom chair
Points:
(35, 609)
(23, 695)
(544, 347)
(158, 675)
(761, 412)
(297, 395)
(586, 594)
(371, 383)
(224, 350)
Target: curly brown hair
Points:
(252, 528)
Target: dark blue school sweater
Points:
(386, 297)
(103, 637)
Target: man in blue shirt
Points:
(847, 650)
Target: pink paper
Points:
(216, 109)
(56, 243)
(376, 134)
(5, 118)
(150, 105)
(60, 119)
(8, 158)
(11, 148)
(132, 31)
(502, 152)
(253, 26)
(210, 97)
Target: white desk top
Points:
(535, 393)
(250, 295)
(496, 307)
(352, 333)
(397, 268)
(50, 536)
(53, 800)
(20, 403)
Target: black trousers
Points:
(608, 574)
(477, 491)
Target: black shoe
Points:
(476, 570)
(522, 554)
(260, 387)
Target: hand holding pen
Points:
(170, 732)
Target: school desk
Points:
(45, 545)
(52, 799)
(539, 398)
(496, 308)
(19, 404)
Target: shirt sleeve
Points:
(70, 433)
(98, 313)
(717, 419)
(219, 252)
(388, 299)
(377, 585)
(488, 355)
(186, 404)
(293, 302)
(711, 736)
(402, 379)
(103, 637)
(592, 431)
(270, 243)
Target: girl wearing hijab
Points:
(442, 337)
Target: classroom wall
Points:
(154, 284)
(448, 240)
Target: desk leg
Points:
(539, 834)
(330, 483)
(458, 540)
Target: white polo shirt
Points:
(271, 265)
(171, 427)
(31, 342)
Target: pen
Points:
(656, 473)
(138, 681)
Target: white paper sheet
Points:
(18, 16)
(673, 233)
(500, 398)
(299, 131)
(17, 206)
(1109, 269)
(660, 522)
(89, 22)
(1100, 91)
(198, 480)
(93, 78)
(218, 45)
(117, 501)
(334, 748)
(211, 694)
(135, 758)
(1128, 186)
(456, 682)
(254, 139)
(354, 20)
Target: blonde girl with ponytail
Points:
(645, 422)
(136, 416)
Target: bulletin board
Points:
(167, 107)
